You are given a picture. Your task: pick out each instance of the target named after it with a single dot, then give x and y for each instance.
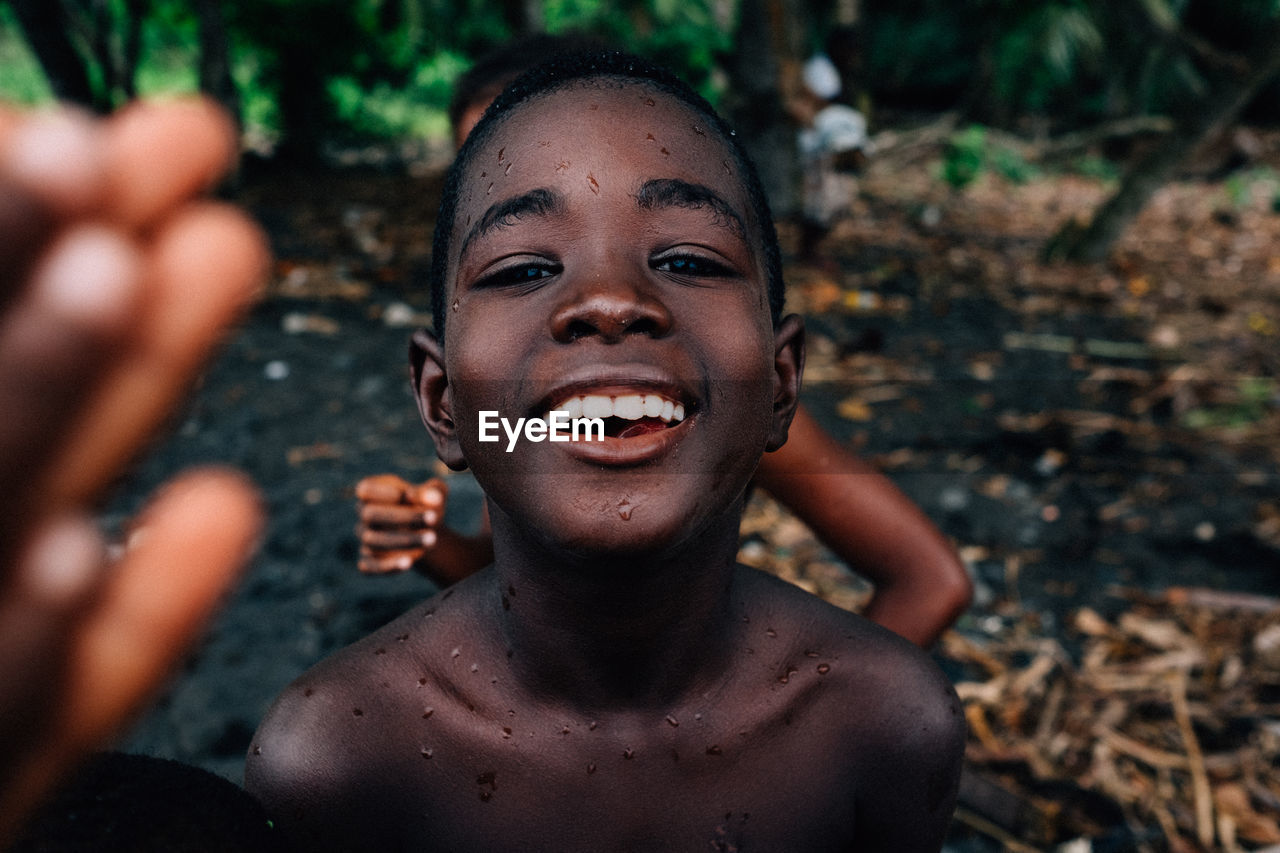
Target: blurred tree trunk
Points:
(47, 29)
(215, 59)
(764, 59)
(1209, 115)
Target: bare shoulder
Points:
(883, 702)
(316, 759)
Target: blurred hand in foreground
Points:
(116, 282)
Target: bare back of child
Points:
(614, 681)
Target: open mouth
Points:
(626, 415)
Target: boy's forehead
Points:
(592, 133)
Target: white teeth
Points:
(595, 406)
(628, 407)
(631, 407)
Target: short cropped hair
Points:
(564, 71)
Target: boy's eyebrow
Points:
(671, 192)
(538, 202)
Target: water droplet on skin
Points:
(455, 305)
(649, 137)
(625, 509)
(500, 150)
(593, 183)
(489, 190)
(810, 654)
(507, 170)
(506, 732)
(665, 152)
(426, 753)
(591, 768)
(728, 170)
(457, 650)
(824, 668)
(422, 682)
(699, 130)
(427, 712)
(714, 750)
(769, 632)
(628, 754)
(672, 721)
(697, 717)
(257, 750)
(565, 730)
(591, 726)
(475, 667)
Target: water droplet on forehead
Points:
(455, 305)
(648, 102)
(824, 668)
(672, 721)
(500, 152)
(507, 170)
(489, 190)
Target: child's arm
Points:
(114, 287)
(921, 586)
(402, 527)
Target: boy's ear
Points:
(434, 395)
(788, 369)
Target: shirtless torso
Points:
(796, 748)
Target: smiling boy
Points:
(614, 681)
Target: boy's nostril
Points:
(643, 326)
(579, 329)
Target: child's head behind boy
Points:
(614, 681)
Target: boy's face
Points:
(602, 248)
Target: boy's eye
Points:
(517, 274)
(696, 266)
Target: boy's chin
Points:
(632, 526)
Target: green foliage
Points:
(964, 157)
(21, 80)
(1256, 397)
(1243, 188)
(1094, 166)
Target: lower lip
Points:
(629, 452)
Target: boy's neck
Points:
(622, 633)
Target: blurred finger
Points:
(382, 564)
(205, 268)
(57, 156)
(392, 540)
(383, 489)
(148, 612)
(396, 515)
(54, 344)
(430, 494)
(145, 179)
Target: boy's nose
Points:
(610, 309)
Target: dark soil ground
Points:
(1078, 432)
